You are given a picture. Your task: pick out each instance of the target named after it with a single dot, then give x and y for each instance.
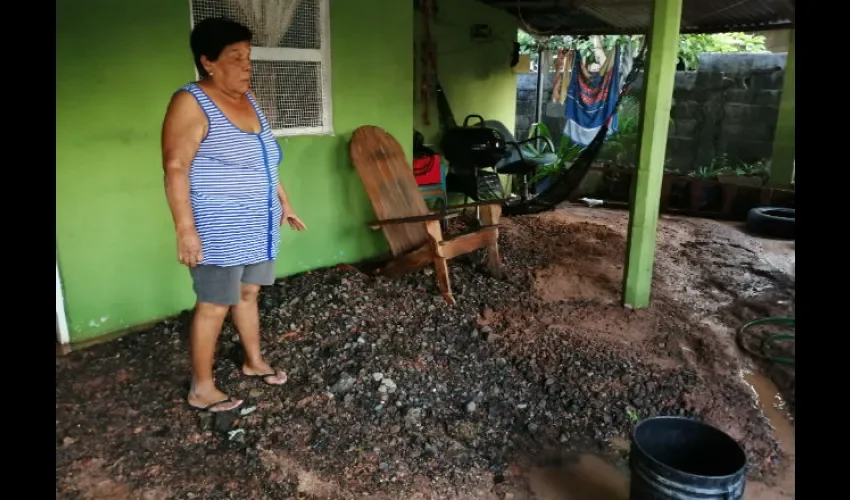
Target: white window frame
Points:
(63, 335)
(321, 55)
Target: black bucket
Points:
(677, 458)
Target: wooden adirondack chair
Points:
(412, 231)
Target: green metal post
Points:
(658, 81)
(782, 160)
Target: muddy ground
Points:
(530, 382)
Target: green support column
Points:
(782, 161)
(658, 82)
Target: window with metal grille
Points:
(290, 52)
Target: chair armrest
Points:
(410, 220)
(547, 141)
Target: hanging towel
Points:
(591, 99)
(563, 64)
(627, 61)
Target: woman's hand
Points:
(293, 220)
(189, 247)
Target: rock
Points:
(388, 385)
(344, 384)
(413, 416)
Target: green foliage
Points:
(722, 166)
(743, 169)
(690, 46)
(621, 146)
(705, 172)
(757, 169)
(567, 152)
(584, 45)
(718, 166)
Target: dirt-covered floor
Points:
(526, 389)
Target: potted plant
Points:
(620, 148)
(674, 188)
(617, 183)
(746, 174)
(704, 189)
(566, 153)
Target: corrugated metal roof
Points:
(597, 17)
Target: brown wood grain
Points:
(389, 182)
(413, 233)
(440, 216)
(470, 242)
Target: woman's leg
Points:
(246, 317)
(203, 335)
(217, 288)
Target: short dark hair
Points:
(212, 35)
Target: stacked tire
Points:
(773, 222)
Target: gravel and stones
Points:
(391, 391)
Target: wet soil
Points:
(527, 388)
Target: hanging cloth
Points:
(563, 63)
(627, 61)
(592, 98)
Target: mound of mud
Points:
(393, 392)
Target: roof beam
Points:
(631, 17)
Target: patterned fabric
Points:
(233, 189)
(592, 99)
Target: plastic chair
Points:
(522, 161)
(437, 191)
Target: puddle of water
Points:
(773, 408)
(582, 477)
(589, 477)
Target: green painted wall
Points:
(117, 64)
(475, 74)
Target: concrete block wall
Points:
(728, 106)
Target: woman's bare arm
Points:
(183, 129)
(288, 214)
(284, 200)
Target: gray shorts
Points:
(223, 285)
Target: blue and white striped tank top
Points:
(233, 189)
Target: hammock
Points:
(570, 178)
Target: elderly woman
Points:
(221, 180)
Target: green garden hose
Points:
(769, 340)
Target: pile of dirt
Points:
(752, 282)
(389, 387)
